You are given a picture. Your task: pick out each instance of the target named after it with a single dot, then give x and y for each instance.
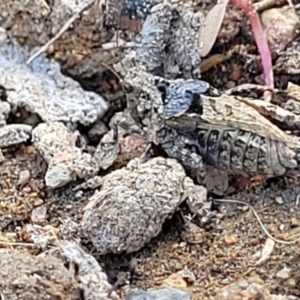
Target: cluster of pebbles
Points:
(40, 105)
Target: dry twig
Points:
(265, 230)
(5, 244)
(69, 22)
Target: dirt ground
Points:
(226, 250)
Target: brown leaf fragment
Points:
(212, 62)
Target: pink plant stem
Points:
(260, 39)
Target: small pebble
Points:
(175, 246)
(295, 222)
(79, 194)
(27, 189)
(280, 25)
(283, 273)
(38, 215)
(236, 73)
(291, 282)
(24, 177)
(230, 239)
(38, 202)
(175, 280)
(97, 131)
(187, 275)
(182, 244)
(143, 195)
(279, 200)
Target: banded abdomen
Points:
(235, 150)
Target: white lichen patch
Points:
(14, 134)
(42, 89)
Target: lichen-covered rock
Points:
(24, 277)
(66, 162)
(134, 202)
(51, 275)
(89, 275)
(14, 134)
(42, 89)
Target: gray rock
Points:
(133, 203)
(57, 145)
(42, 89)
(161, 294)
